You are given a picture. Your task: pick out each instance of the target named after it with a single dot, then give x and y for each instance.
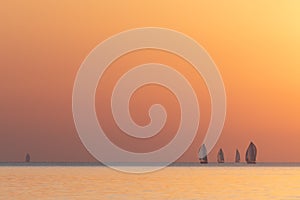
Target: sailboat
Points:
(237, 156)
(220, 157)
(251, 154)
(27, 158)
(203, 154)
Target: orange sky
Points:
(255, 44)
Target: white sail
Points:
(203, 154)
(202, 151)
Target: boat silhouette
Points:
(237, 156)
(220, 157)
(27, 158)
(251, 154)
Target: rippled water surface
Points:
(20, 182)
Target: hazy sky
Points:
(255, 44)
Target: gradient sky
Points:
(255, 44)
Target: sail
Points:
(203, 154)
(27, 158)
(251, 153)
(237, 156)
(220, 157)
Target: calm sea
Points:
(176, 182)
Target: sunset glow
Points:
(254, 44)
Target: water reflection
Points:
(170, 183)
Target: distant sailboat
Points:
(251, 154)
(27, 158)
(237, 156)
(203, 154)
(220, 157)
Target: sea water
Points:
(175, 182)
